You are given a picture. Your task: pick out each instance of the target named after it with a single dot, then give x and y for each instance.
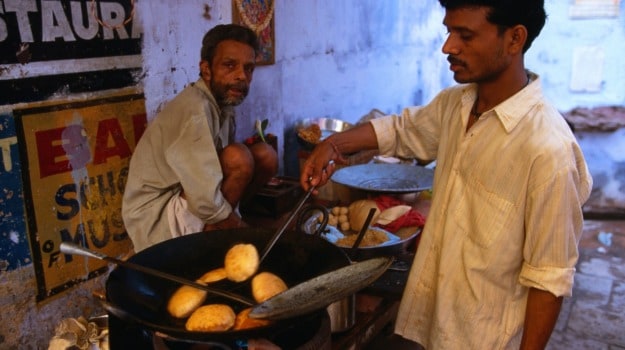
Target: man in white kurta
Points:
(186, 175)
(168, 159)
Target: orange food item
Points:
(310, 134)
(244, 321)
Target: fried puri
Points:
(241, 262)
(265, 285)
(211, 318)
(186, 298)
(214, 275)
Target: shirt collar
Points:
(511, 111)
(225, 112)
(201, 84)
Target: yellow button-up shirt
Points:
(505, 216)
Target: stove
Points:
(311, 333)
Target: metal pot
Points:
(328, 127)
(313, 221)
(295, 257)
(342, 314)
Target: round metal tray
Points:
(395, 178)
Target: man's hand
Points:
(319, 166)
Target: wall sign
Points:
(57, 46)
(77, 157)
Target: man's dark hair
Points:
(223, 32)
(508, 13)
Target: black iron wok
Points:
(143, 298)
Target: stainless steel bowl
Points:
(328, 127)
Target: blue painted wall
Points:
(14, 249)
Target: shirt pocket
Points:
(481, 214)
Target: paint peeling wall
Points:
(333, 58)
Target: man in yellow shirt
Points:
(499, 247)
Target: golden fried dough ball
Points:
(211, 318)
(241, 262)
(215, 275)
(185, 300)
(265, 285)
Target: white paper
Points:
(587, 74)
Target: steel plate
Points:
(397, 178)
(321, 291)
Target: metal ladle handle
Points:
(73, 249)
(286, 224)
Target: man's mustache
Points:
(455, 61)
(244, 88)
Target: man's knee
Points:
(236, 157)
(265, 158)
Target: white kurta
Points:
(505, 215)
(178, 150)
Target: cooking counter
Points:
(377, 304)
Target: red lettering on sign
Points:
(139, 123)
(110, 128)
(50, 149)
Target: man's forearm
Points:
(359, 138)
(541, 315)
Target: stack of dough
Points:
(339, 217)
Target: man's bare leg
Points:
(245, 171)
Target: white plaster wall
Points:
(342, 59)
(173, 32)
(552, 56)
(332, 59)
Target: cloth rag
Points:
(410, 218)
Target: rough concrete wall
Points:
(601, 134)
(606, 161)
(332, 59)
(173, 32)
(553, 57)
(342, 59)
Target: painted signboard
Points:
(77, 157)
(58, 46)
(14, 252)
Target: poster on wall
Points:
(59, 47)
(76, 157)
(14, 251)
(258, 15)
